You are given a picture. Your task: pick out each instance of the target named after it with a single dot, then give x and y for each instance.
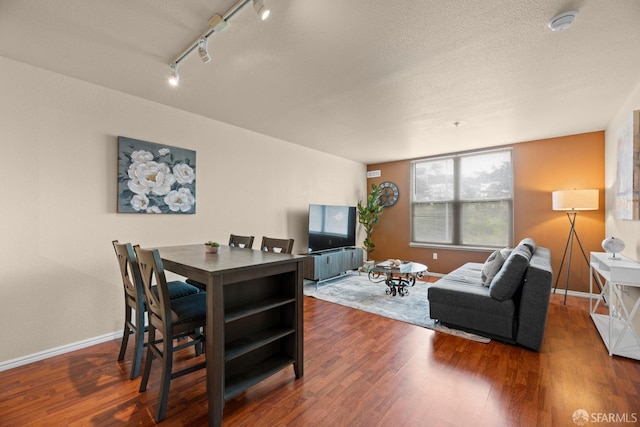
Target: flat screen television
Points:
(331, 227)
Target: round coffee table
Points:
(397, 279)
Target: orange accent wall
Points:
(540, 167)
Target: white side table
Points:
(616, 328)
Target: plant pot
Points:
(213, 250)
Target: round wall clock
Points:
(389, 194)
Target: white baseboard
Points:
(21, 361)
(573, 293)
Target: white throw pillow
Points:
(493, 264)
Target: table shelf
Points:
(252, 308)
(627, 347)
(251, 342)
(616, 327)
(257, 372)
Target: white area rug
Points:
(357, 291)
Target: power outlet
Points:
(435, 255)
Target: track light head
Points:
(203, 50)
(174, 77)
(261, 10)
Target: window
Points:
(463, 200)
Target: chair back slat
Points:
(268, 243)
(152, 273)
(235, 240)
(129, 271)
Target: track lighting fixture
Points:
(203, 50)
(217, 23)
(262, 11)
(174, 77)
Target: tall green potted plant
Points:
(368, 216)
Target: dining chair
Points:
(174, 318)
(134, 301)
(235, 240)
(269, 243)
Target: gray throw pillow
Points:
(507, 282)
(530, 243)
(491, 267)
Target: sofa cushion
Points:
(467, 274)
(459, 300)
(463, 288)
(506, 283)
(492, 265)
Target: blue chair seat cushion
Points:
(178, 289)
(189, 308)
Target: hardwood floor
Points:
(360, 370)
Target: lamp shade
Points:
(575, 200)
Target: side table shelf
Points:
(613, 310)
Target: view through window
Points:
(463, 200)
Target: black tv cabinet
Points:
(322, 265)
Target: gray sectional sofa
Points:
(512, 308)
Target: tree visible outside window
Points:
(463, 200)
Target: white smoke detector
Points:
(562, 21)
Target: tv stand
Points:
(321, 265)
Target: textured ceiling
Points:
(368, 80)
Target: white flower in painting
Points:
(154, 209)
(184, 173)
(140, 202)
(150, 177)
(141, 156)
(164, 151)
(180, 200)
(132, 170)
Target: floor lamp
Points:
(573, 201)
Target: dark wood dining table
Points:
(254, 315)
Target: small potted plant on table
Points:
(212, 246)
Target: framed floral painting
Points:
(155, 178)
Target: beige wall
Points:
(59, 282)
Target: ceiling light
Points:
(203, 50)
(217, 23)
(261, 10)
(174, 77)
(562, 21)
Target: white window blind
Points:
(463, 200)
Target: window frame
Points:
(457, 203)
